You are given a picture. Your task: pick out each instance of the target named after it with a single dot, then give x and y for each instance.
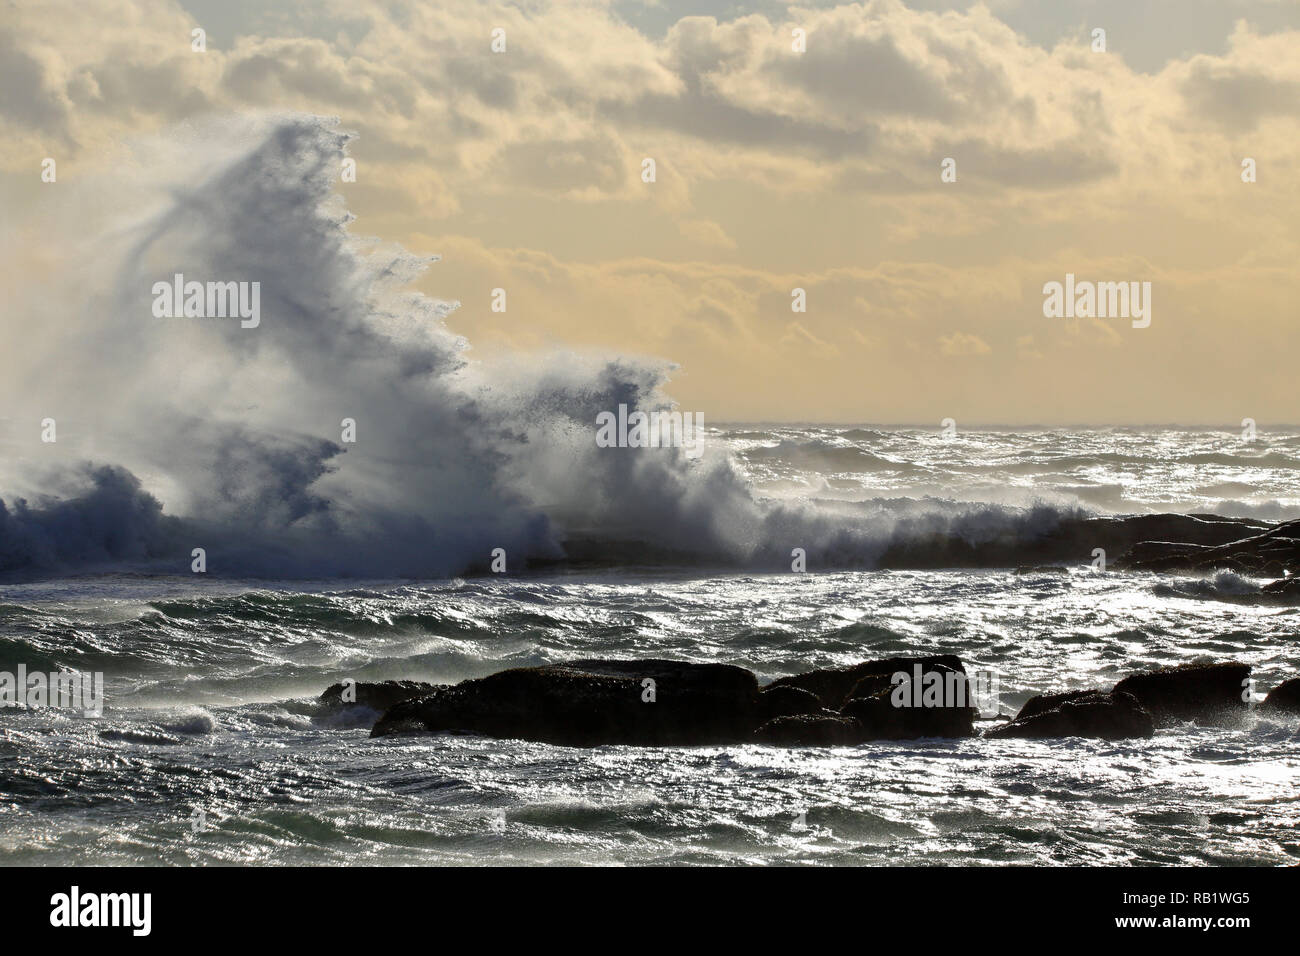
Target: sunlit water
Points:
(213, 750)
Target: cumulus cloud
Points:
(775, 169)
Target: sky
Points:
(776, 169)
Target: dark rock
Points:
(785, 701)
(882, 720)
(1045, 702)
(720, 678)
(823, 729)
(833, 686)
(1286, 589)
(1284, 698)
(907, 711)
(1047, 537)
(871, 684)
(376, 695)
(1268, 553)
(1113, 716)
(1201, 692)
(588, 703)
(672, 703)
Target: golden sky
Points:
(775, 170)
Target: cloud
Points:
(25, 98)
(706, 232)
(963, 344)
(775, 169)
(1239, 98)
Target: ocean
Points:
(212, 747)
(224, 519)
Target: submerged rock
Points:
(1206, 693)
(1093, 713)
(592, 702)
(1284, 698)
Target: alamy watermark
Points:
(179, 299)
(1084, 299)
(651, 430)
(62, 690)
(946, 688)
(130, 910)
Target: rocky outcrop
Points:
(1098, 714)
(1205, 693)
(1284, 698)
(592, 702)
(1270, 553)
(586, 703)
(376, 695)
(1047, 537)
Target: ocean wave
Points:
(1047, 464)
(1266, 460)
(870, 435)
(1223, 585)
(823, 456)
(238, 464)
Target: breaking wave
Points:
(179, 434)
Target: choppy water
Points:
(1110, 470)
(211, 685)
(182, 433)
